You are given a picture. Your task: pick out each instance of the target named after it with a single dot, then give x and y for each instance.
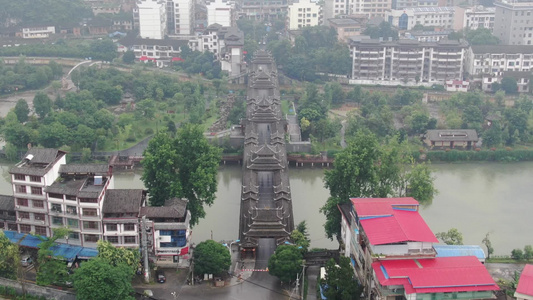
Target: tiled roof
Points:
(98, 169)
(123, 201)
(173, 208)
(525, 284)
(40, 163)
(435, 275)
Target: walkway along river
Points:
(476, 198)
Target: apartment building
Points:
(346, 28)
(159, 52)
(479, 17)
(513, 23)
(38, 32)
(76, 200)
(152, 18)
(29, 178)
(221, 12)
(8, 217)
(263, 9)
(180, 16)
(438, 17)
(406, 62)
(168, 230)
(391, 250)
(121, 212)
(304, 13)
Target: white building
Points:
(513, 23)
(457, 85)
(368, 8)
(304, 13)
(121, 216)
(160, 52)
(493, 60)
(152, 19)
(41, 32)
(406, 19)
(180, 17)
(479, 17)
(221, 12)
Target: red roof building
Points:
(464, 274)
(524, 290)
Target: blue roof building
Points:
(460, 250)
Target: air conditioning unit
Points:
(17, 206)
(19, 219)
(42, 222)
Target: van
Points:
(26, 260)
(160, 276)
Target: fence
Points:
(36, 290)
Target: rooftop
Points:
(437, 135)
(459, 250)
(173, 208)
(123, 201)
(37, 161)
(502, 49)
(81, 187)
(343, 21)
(96, 169)
(392, 220)
(436, 275)
(525, 284)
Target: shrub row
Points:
(12, 293)
(484, 155)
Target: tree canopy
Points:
(118, 256)
(340, 282)
(383, 30)
(451, 237)
(51, 269)
(96, 279)
(211, 257)
(285, 263)
(9, 258)
(185, 166)
(480, 36)
(366, 168)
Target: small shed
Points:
(451, 138)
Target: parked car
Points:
(160, 276)
(26, 260)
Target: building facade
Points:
(221, 12)
(121, 212)
(513, 23)
(263, 9)
(406, 62)
(152, 18)
(8, 216)
(438, 17)
(304, 13)
(345, 28)
(180, 16)
(479, 17)
(159, 52)
(40, 32)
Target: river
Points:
(475, 198)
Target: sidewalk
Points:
(241, 269)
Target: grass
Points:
(285, 105)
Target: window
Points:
(73, 223)
(25, 228)
(91, 212)
(24, 215)
(90, 225)
(69, 197)
(39, 217)
(58, 196)
(74, 236)
(92, 238)
(37, 203)
(71, 210)
(88, 200)
(12, 226)
(56, 208)
(35, 179)
(36, 190)
(57, 220)
(21, 189)
(111, 227)
(20, 177)
(129, 240)
(40, 230)
(22, 202)
(129, 227)
(112, 239)
(178, 238)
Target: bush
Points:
(148, 131)
(517, 254)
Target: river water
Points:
(475, 198)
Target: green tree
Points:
(300, 240)
(517, 254)
(509, 85)
(118, 256)
(11, 152)
(22, 110)
(302, 227)
(481, 36)
(128, 57)
(420, 183)
(211, 257)
(285, 263)
(54, 135)
(340, 282)
(451, 237)
(528, 252)
(9, 258)
(384, 30)
(51, 269)
(42, 104)
(184, 167)
(486, 241)
(96, 279)
(492, 137)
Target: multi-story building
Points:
(304, 13)
(121, 216)
(76, 200)
(406, 19)
(152, 16)
(29, 178)
(39, 32)
(160, 52)
(346, 28)
(391, 249)
(406, 62)
(169, 231)
(180, 16)
(428, 36)
(486, 65)
(8, 217)
(221, 12)
(479, 17)
(513, 23)
(263, 9)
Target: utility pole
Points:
(298, 284)
(145, 250)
